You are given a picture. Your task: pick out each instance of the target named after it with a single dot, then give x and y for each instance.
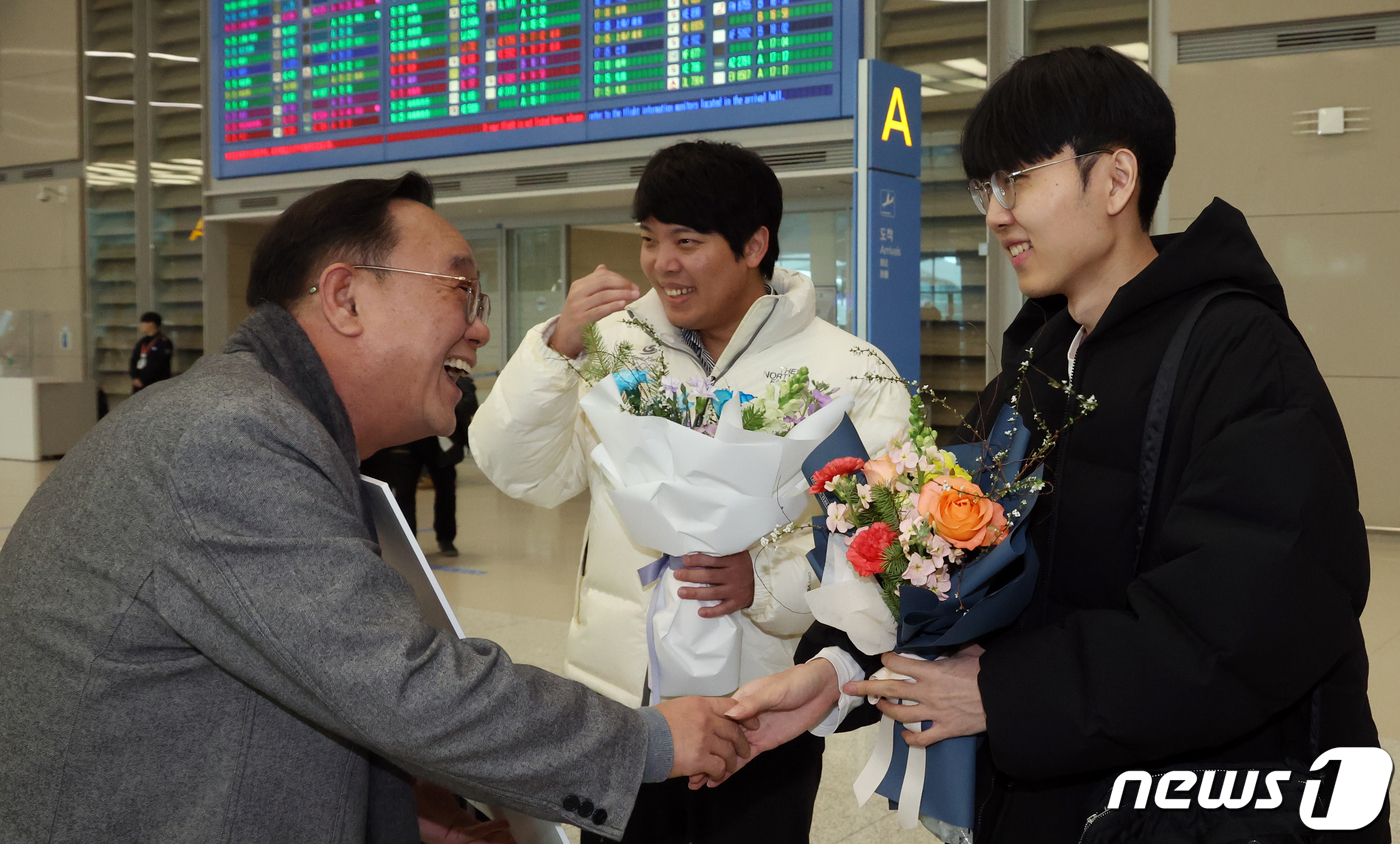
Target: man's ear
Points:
(756, 248)
(335, 297)
(1123, 182)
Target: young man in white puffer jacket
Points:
(708, 215)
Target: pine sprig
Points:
(885, 506)
(753, 417)
(889, 587)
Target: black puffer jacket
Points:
(1254, 569)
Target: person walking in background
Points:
(401, 466)
(150, 358)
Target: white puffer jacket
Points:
(533, 442)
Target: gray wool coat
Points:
(200, 643)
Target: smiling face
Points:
(1058, 233)
(701, 284)
(417, 341)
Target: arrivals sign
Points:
(888, 160)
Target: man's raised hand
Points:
(705, 742)
(596, 295)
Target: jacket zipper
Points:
(1151, 789)
(982, 809)
(714, 378)
(1060, 448)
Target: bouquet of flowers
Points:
(923, 549)
(696, 469)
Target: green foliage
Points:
(889, 591)
(794, 386)
(602, 361)
(884, 505)
(895, 563)
(753, 416)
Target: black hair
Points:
(150, 316)
(1085, 97)
(714, 188)
(348, 221)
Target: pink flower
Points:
(942, 551)
(837, 516)
(943, 585)
(920, 570)
(904, 458)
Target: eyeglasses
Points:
(477, 305)
(1002, 185)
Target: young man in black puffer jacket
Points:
(1222, 629)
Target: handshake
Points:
(714, 737)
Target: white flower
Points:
(836, 517)
(863, 493)
(701, 388)
(671, 384)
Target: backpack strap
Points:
(1154, 432)
(1155, 429)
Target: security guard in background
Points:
(150, 359)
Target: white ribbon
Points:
(911, 790)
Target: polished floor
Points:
(514, 583)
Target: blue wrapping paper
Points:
(842, 442)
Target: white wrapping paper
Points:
(852, 603)
(681, 492)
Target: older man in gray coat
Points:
(198, 639)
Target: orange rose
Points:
(961, 513)
(880, 471)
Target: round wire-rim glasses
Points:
(477, 305)
(1002, 184)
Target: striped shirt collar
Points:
(692, 339)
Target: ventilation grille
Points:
(38, 173)
(1289, 39)
(621, 175)
(534, 180)
(797, 158)
(258, 202)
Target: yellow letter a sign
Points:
(902, 123)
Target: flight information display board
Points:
(310, 84)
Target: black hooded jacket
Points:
(1254, 570)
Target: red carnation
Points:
(836, 468)
(867, 551)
